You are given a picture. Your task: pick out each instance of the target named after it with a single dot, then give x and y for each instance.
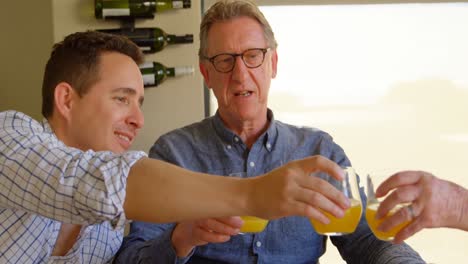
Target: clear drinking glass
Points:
(252, 224)
(371, 210)
(348, 223)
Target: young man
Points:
(68, 184)
(238, 59)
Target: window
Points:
(389, 82)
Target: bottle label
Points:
(149, 80)
(146, 65)
(183, 70)
(113, 12)
(177, 4)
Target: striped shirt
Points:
(43, 182)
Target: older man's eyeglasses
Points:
(225, 62)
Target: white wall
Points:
(25, 45)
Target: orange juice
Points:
(338, 226)
(371, 210)
(253, 224)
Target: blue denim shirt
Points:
(208, 146)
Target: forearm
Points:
(161, 192)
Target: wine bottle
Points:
(154, 73)
(135, 8)
(150, 40)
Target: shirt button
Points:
(259, 244)
(229, 146)
(236, 139)
(252, 164)
(268, 145)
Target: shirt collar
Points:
(47, 127)
(268, 138)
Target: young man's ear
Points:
(64, 96)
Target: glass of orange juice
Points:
(251, 224)
(371, 210)
(348, 223)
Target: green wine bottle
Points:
(150, 40)
(154, 73)
(135, 8)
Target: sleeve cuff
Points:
(130, 159)
(163, 249)
(178, 260)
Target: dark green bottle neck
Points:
(170, 72)
(174, 39)
(161, 69)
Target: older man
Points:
(238, 59)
